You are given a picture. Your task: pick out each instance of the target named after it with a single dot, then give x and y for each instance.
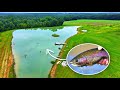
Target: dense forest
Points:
(9, 21)
(17, 22)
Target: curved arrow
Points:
(48, 52)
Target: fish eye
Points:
(76, 60)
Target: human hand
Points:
(103, 62)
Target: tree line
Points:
(19, 21)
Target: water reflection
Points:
(30, 50)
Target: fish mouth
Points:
(74, 64)
(71, 62)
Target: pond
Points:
(29, 50)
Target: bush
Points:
(55, 35)
(52, 62)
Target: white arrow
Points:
(48, 52)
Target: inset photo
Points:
(88, 59)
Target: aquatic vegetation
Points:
(53, 62)
(55, 35)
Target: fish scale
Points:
(89, 57)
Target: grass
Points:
(89, 22)
(6, 66)
(103, 32)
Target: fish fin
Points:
(90, 64)
(80, 65)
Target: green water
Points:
(29, 50)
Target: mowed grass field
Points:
(103, 32)
(6, 59)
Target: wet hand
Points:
(103, 62)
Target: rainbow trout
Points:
(89, 57)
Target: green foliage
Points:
(19, 22)
(12, 72)
(52, 62)
(55, 28)
(55, 35)
(0, 37)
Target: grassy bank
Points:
(103, 32)
(6, 58)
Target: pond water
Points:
(29, 50)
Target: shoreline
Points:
(54, 67)
(7, 60)
(13, 63)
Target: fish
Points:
(89, 57)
